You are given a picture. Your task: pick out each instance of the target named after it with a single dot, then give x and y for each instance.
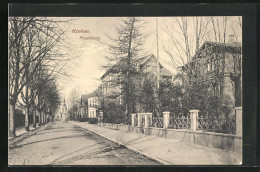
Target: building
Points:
(111, 85)
(93, 105)
(219, 65)
(90, 104)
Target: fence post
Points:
(147, 118)
(133, 119)
(194, 119)
(139, 119)
(101, 118)
(146, 124)
(150, 116)
(238, 112)
(166, 119)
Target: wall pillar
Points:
(228, 91)
(133, 119)
(194, 119)
(101, 118)
(238, 112)
(139, 119)
(150, 117)
(146, 120)
(166, 119)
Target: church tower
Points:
(64, 109)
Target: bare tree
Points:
(73, 101)
(185, 37)
(48, 96)
(32, 42)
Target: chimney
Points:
(231, 39)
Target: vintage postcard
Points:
(125, 90)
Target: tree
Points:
(33, 41)
(73, 99)
(186, 36)
(125, 48)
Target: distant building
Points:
(93, 105)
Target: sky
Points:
(86, 69)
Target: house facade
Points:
(90, 104)
(93, 105)
(112, 87)
(219, 65)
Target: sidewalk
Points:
(165, 151)
(21, 130)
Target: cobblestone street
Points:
(62, 143)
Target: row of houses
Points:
(218, 64)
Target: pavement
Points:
(65, 143)
(21, 130)
(165, 150)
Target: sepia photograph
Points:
(130, 91)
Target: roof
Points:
(140, 60)
(234, 45)
(166, 72)
(144, 59)
(97, 92)
(113, 68)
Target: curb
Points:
(162, 162)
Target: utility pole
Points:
(158, 64)
(158, 70)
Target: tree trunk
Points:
(11, 120)
(43, 116)
(26, 124)
(40, 119)
(34, 118)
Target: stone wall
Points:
(210, 139)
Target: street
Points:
(62, 143)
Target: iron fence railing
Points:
(157, 122)
(218, 125)
(179, 122)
